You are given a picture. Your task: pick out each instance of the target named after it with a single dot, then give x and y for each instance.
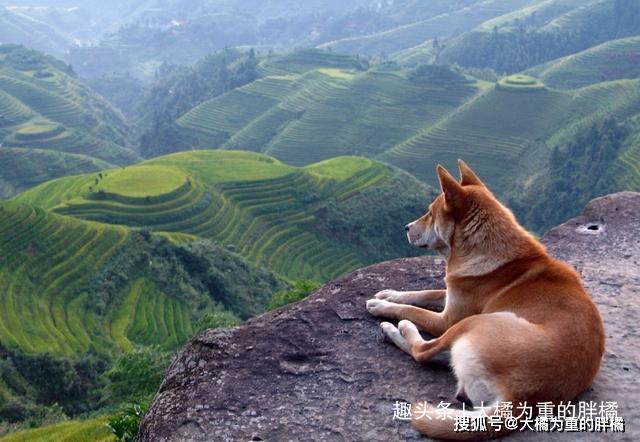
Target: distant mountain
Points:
(313, 105)
(18, 28)
(543, 32)
(444, 20)
(181, 32)
(79, 22)
(315, 222)
(613, 60)
(44, 108)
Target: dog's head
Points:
(434, 230)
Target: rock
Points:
(320, 370)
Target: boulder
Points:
(321, 370)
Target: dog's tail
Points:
(437, 424)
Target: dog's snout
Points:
(407, 227)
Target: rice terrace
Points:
(269, 218)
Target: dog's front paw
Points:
(389, 330)
(392, 334)
(388, 294)
(379, 307)
(408, 329)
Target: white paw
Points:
(407, 328)
(378, 307)
(393, 335)
(387, 294)
(389, 329)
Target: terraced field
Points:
(544, 30)
(497, 131)
(420, 54)
(24, 168)
(287, 116)
(574, 19)
(305, 60)
(49, 266)
(149, 317)
(625, 170)
(91, 430)
(43, 107)
(445, 25)
(262, 208)
(614, 60)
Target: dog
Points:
(519, 325)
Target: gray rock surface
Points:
(320, 370)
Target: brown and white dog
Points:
(519, 323)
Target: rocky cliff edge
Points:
(320, 369)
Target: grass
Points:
(339, 169)
(142, 181)
(626, 169)
(263, 209)
(413, 119)
(91, 430)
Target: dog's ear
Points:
(468, 176)
(453, 192)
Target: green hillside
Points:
(625, 169)
(82, 286)
(24, 168)
(613, 60)
(17, 28)
(44, 107)
(305, 60)
(424, 53)
(316, 222)
(599, 159)
(462, 17)
(510, 125)
(544, 31)
(287, 115)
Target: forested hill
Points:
(53, 123)
(543, 32)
